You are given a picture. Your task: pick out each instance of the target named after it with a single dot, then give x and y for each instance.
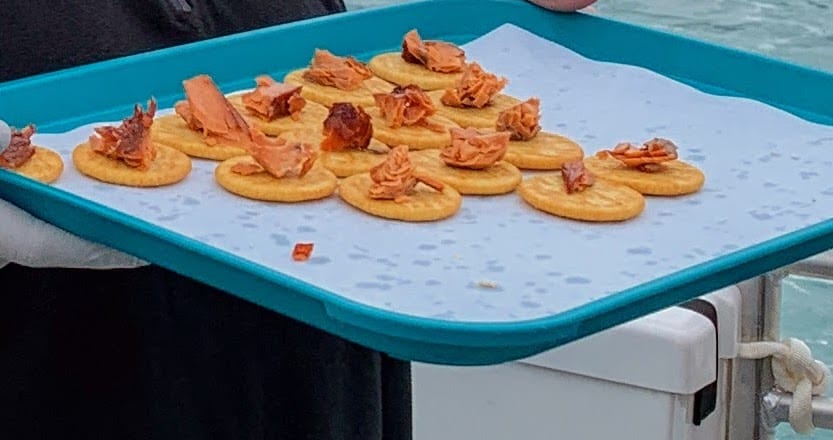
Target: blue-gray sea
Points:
(799, 31)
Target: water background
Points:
(799, 31)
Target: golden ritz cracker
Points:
(430, 65)
(475, 101)
(406, 115)
(652, 169)
(206, 125)
(276, 169)
(274, 108)
(24, 158)
(330, 79)
(577, 195)
(530, 147)
(279, 171)
(472, 163)
(396, 190)
(127, 155)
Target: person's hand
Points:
(563, 5)
(31, 242)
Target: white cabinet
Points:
(644, 380)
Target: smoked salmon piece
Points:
(20, 148)
(521, 120)
(272, 100)
(395, 178)
(436, 56)
(407, 105)
(347, 127)
(345, 73)
(473, 149)
(207, 110)
(131, 141)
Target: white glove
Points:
(31, 242)
(5, 136)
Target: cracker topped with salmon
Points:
(431, 65)
(652, 168)
(348, 146)
(127, 154)
(472, 163)
(21, 156)
(397, 190)
(530, 147)
(275, 107)
(475, 100)
(206, 125)
(406, 115)
(330, 78)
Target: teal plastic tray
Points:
(62, 101)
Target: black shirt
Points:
(45, 35)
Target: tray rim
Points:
(470, 337)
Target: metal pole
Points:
(752, 380)
(818, 266)
(777, 410)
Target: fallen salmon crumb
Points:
(302, 251)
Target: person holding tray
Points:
(95, 343)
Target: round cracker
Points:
(45, 166)
(327, 95)
(676, 178)
(470, 117)
(424, 205)
(307, 135)
(173, 132)
(546, 151)
(391, 67)
(169, 167)
(350, 162)
(500, 178)
(341, 163)
(602, 202)
(415, 137)
(312, 115)
(318, 183)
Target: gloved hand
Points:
(31, 242)
(5, 136)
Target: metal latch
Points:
(705, 399)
